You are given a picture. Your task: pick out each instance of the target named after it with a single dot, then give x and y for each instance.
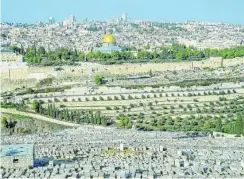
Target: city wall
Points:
(14, 74)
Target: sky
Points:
(29, 11)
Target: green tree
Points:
(207, 125)
(36, 106)
(14, 48)
(180, 55)
(219, 125)
(81, 56)
(124, 122)
(4, 121)
(98, 80)
(239, 125)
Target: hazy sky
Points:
(29, 11)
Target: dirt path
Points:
(39, 117)
(49, 119)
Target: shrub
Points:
(108, 108)
(56, 100)
(98, 80)
(62, 106)
(222, 99)
(130, 97)
(122, 97)
(116, 108)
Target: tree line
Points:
(193, 123)
(62, 56)
(79, 117)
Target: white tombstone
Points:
(121, 147)
(242, 164)
(161, 148)
(179, 152)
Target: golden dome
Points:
(108, 38)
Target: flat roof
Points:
(8, 52)
(17, 150)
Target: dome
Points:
(109, 39)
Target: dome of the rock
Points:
(108, 38)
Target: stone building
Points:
(17, 156)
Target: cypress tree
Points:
(219, 125)
(239, 126)
(71, 116)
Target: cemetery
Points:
(87, 152)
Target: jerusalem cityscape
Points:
(127, 89)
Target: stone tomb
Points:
(17, 156)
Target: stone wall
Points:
(89, 69)
(10, 57)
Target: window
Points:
(15, 160)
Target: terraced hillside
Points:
(198, 108)
(204, 98)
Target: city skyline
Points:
(172, 11)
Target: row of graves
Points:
(87, 152)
